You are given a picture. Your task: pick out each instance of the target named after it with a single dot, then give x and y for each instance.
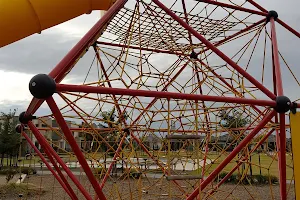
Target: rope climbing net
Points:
(178, 99)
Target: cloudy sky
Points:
(39, 53)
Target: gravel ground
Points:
(145, 189)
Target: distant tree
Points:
(235, 121)
(9, 138)
(111, 120)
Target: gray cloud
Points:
(35, 54)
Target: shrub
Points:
(274, 179)
(28, 170)
(260, 179)
(246, 180)
(10, 174)
(229, 180)
(135, 174)
(6, 171)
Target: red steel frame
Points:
(62, 180)
(60, 71)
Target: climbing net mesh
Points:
(158, 147)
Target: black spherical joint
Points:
(283, 104)
(42, 86)
(272, 13)
(193, 55)
(19, 128)
(25, 119)
(22, 118)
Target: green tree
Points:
(9, 138)
(235, 121)
(112, 121)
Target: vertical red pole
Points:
(60, 180)
(239, 147)
(49, 150)
(282, 133)
(77, 151)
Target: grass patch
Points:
(15, 190)
(267, 165)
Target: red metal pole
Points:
(296, 33)
(282, 157)
(62, 182)
(282, 133)
(276, 58)
(235, 34)
(150, 104)
(245, 157)
(172, 95)
(226, 83)
(257, 5)
(50, 152)
(216, 50)
(239, 147)
(67, 63)
(107, 130)
(234, 7)
(77, 151)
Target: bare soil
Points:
(146, 189)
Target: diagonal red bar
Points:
(216, 50)
(239, 147)
(61, 182)
(50, 152)
(72, 142)
(241, 160)
(282, 23)
(296, 33)
(234, 7)
(257, 5)
(235, 34)
(67, 63)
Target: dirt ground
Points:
(145, 189)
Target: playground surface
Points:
(54, 191)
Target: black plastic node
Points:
(272, 13)
(294, 107)
(25, 120)
(22, 118)
(19, 128)
(127, 131)
(283, 104)
(193, 55)
(42, 86)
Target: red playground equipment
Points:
(177, 99)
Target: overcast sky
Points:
(39, 53)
